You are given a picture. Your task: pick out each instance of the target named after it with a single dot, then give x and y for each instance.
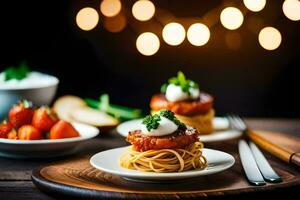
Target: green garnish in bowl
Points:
(20, 72)
(119, 112)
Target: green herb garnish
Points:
(151, 121)
(171, 116)
(119, 112)
(17, 73)
(163, 88)
(181, 81)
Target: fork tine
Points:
(241, 122)
(232, 122)
(236, 122)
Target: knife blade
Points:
(265, 168)
(250, 167)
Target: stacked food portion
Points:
(183, 97)
(163, 144)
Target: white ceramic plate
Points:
(108, 161)
(47, 147)
(221, 126)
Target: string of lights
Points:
(174, 33)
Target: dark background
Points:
(246, 79)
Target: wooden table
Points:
(15, 175)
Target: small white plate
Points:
(221, 126)
(46, 148)
(108, 161)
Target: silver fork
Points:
(264, 167)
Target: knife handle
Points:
(270, 147)
(295, 159)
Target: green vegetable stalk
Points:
(119, 112)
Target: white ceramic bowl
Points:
(41, 94)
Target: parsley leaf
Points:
(181, 78)
(151, 121)
(163, 88)
(17, 73)
(181, 81)
(171, 116)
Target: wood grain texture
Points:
(77, 178)
(16, 190)
(15, 175)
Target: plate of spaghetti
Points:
(162, 148)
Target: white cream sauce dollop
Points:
(165, 127)
(174, 93)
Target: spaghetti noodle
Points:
(165, 160)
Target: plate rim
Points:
(153, 175)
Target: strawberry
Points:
(13, 135)
(21, 114)
(43, 119)
(63, 129)
(5, 128)
(29, 132)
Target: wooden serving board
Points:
(77, 178)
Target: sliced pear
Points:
(92, 116)
(64, 105)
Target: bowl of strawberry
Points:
(19, 82)
(30, 132)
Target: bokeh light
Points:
(147, 43)
(115, 24)
(231, 18)
(198, 34)
(269, 38)
(143, 10)
(110, 8)
(173, 33)
(291, 9)
(87, 18)
(255, 5)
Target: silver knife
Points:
(250, 167)
(266, 170)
